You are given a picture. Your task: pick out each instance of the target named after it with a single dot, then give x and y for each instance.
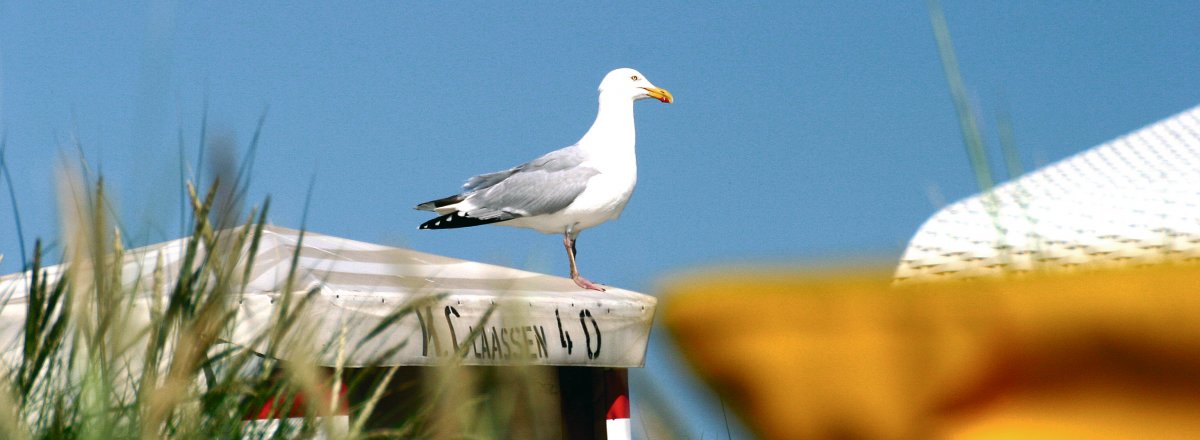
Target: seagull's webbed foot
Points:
(584, 283)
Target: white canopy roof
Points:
(518, 316)
(1133, 200)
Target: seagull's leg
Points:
(569, 243)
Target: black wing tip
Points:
(458, 220)
(434, 204)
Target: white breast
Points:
(610, 146)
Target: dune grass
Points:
(102, 357)
(106, 357)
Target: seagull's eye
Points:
(635, 77)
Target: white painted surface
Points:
(525, 317)
(619, 429)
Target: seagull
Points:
(567, 190)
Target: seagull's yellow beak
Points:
(659, 94)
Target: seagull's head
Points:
(626, 82)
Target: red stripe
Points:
(271, 409)
(619, 408)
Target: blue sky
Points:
(802, 133)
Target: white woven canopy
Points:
(1134, 200)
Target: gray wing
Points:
(541, 186)
(557, 160)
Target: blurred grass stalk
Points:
(967, 118)
(107, 353)
(973, 140)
